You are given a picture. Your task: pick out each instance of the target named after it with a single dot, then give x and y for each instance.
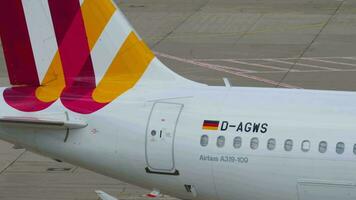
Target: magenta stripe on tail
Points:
(75, 55)
(72, 42)
(16, 43)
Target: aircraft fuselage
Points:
(214, 142)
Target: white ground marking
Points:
(235, 68)
(222, 69)
(304, 71)
(259, 65)
(229, 68)
(329, 61)
(261, 59)
(302, 64)
(350, 58)
(209, 65)
(277, 70)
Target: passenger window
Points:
(340, 148)
(220, 142)
(306, 146)
(355, 149)
(323, 147)
(271, 144)
(254, 143)
(288, 145)
(237, 142)
(204, 140)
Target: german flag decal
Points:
(211, 125)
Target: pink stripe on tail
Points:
(19, 57)
(16, 43)
(75, 55)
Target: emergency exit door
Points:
(160, 138)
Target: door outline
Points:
(150, 169)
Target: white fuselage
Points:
(119, 142)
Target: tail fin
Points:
(74, 49)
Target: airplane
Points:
(86, 89)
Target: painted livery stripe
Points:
(75, 55)
(110, 42)
(53, 83)
(72, 43)
(96, 15)
(125, 71)
(45, 48)
(43, 38)
(16, 44)
(93, 14)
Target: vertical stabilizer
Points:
(83, 52)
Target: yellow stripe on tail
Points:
(126, 69)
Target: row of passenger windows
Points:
(272, 143)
